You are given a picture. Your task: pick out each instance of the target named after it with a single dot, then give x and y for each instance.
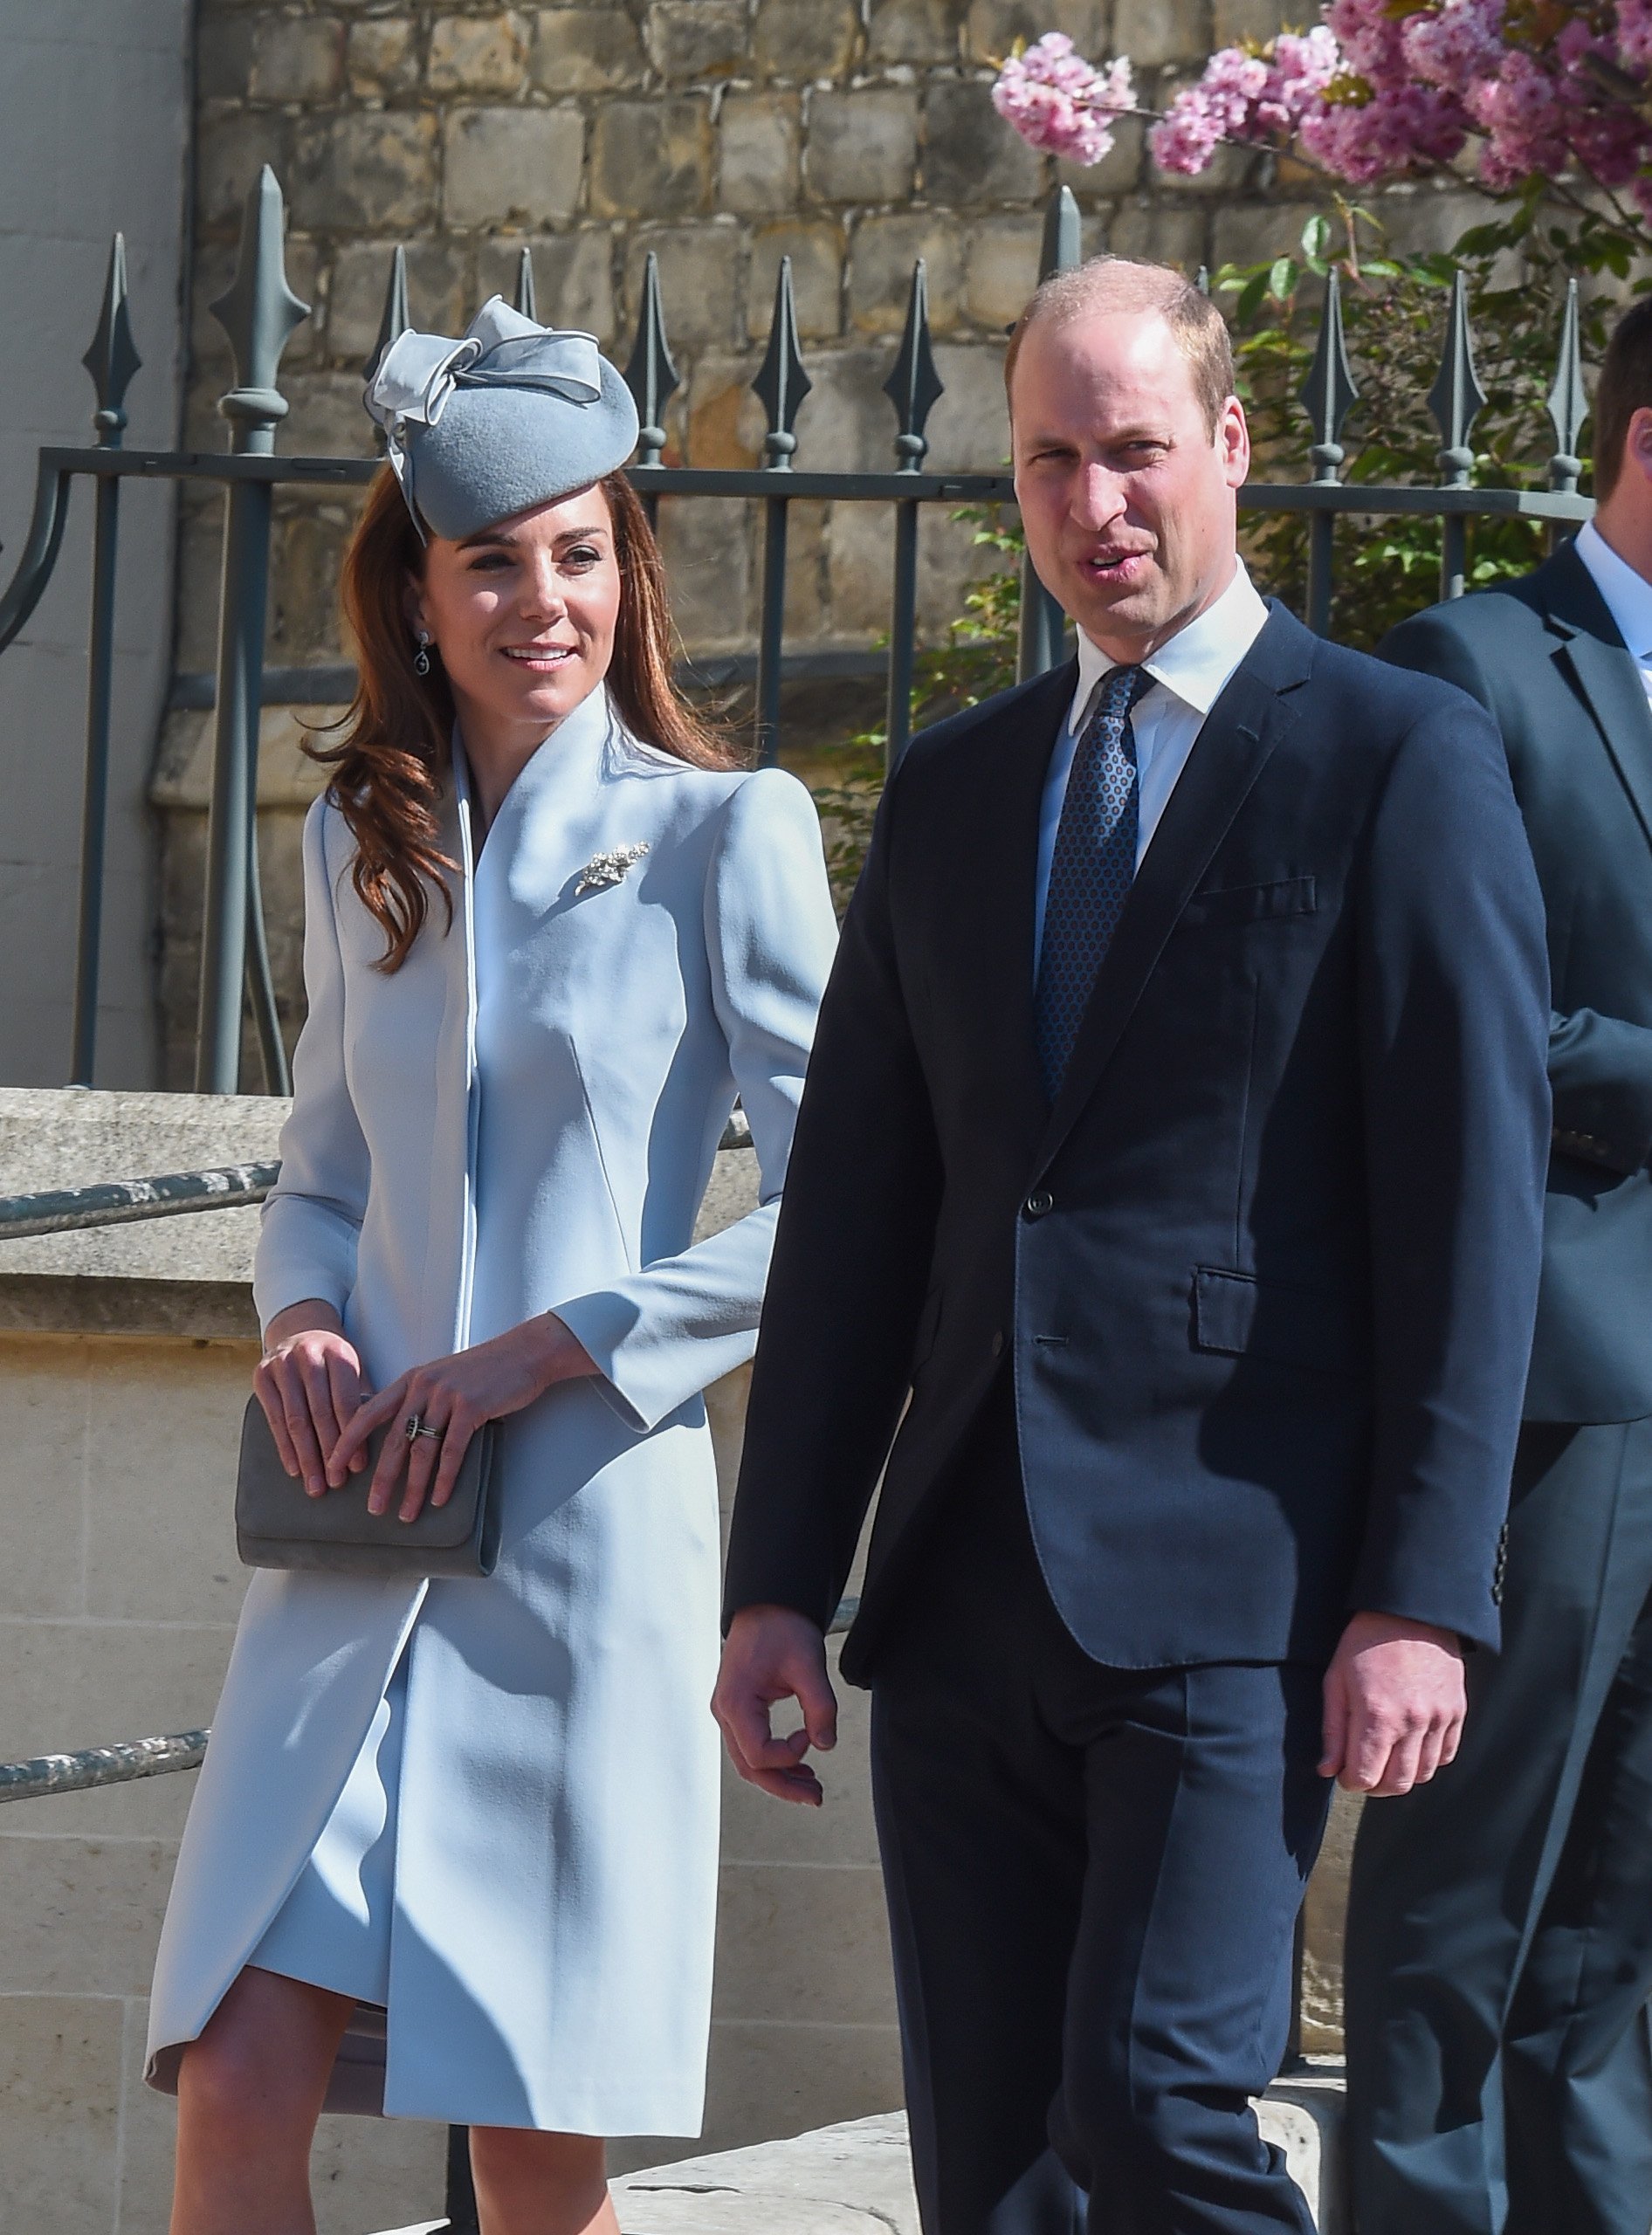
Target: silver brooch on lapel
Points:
(603, 869)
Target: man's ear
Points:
(1233, 443)
(1637, 448)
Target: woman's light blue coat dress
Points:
(522, 1118)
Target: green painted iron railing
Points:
(260, 313)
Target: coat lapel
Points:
(1604, 672)
(450, 1261)
(1229, 754)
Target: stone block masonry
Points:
(851, 136)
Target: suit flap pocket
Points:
(1252, 903)
(1246, 1317)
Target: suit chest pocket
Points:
(1238, 904)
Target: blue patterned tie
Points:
(1092, 870)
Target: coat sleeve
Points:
(1453, 1004)
(1600, 1067)
(852, 1261)
(313, 1218)
(668, 1331)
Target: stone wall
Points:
(852, 136)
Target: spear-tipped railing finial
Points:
(1043, 626)
(1456, 398)
(258, 313)
(397, 317)
(527, 301)
(914, 387)
(1329, 393)
(1568, 399)
(651, 376)
(1062, 247)
(113, 358)
(781, 382)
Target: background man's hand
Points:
(1394, 1704)
(775, 1653)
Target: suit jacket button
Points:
(997, 1342)
(1037, 1203)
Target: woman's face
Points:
(523, 613)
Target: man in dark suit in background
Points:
(1175, 1134)
(1499, 1952)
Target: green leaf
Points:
(1282, 279)
(1316, 236)
(1250, 298)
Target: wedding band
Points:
(413, 1425)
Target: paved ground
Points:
(857, 2179)
(845, 2180)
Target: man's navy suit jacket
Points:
(1267, 1270)
(1543, 656)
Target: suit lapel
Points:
(1229, 754)
(1604, 673)
(995, 960)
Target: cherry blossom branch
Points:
(1373, 92)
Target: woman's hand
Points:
(454, 1396)
(309, 1383)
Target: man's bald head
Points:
(1107, 286)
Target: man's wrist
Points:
(1382, 1626)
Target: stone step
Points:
(855, 2179)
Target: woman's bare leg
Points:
(250, 2092)
(532, 2183)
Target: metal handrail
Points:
(100, 1766)
(122, 1202)
(222, 1187)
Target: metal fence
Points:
(260, 313)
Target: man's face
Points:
(1126, 496)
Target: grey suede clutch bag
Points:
(277, 1525)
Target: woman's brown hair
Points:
(389, 766)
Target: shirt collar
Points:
(1628, 594)
(1198, 660)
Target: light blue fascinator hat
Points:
(512, 414)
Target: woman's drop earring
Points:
(421, 657)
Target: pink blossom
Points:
(1454, 45)
(1246, 96)
(1184, 141)
(1306, 64)
(1373, 42)
(1377, 90)
(1058, 103)
(1634, 34)
(1395, 132)
(1522, 112)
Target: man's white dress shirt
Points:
(1189, 674)
(1629, 596)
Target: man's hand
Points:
(775, 1653)
(1394, 1705)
